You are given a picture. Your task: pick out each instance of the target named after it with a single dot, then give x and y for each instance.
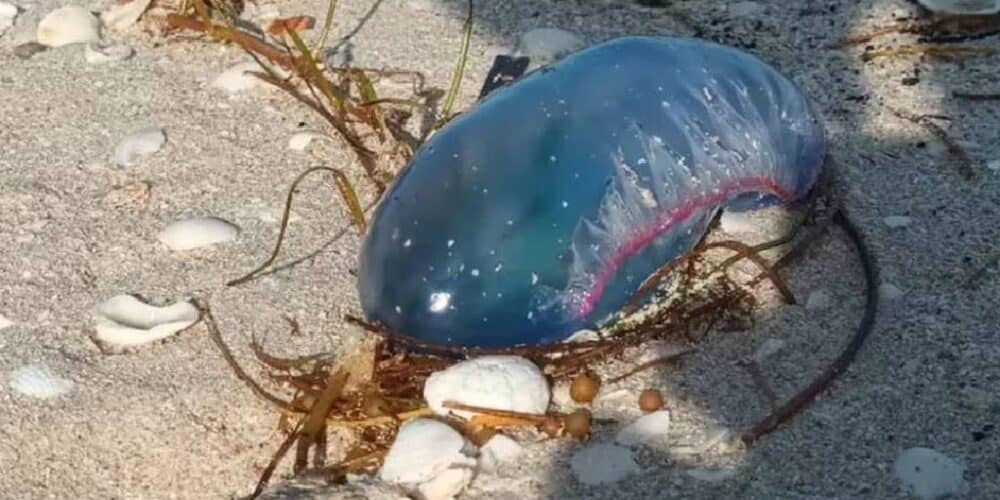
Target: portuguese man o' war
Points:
(540, 211)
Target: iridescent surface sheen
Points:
(541, 210)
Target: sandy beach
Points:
(170, 420)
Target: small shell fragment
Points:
(123, 321)
(498, 382)
(646, 429)
(8, 12)
(97, 54)
(197, 232)
(137, 144)
(929, 474)
(430, 458)
(603, 463)
(123, 16)
(38, 381)
(68, 25)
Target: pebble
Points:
(8, 12)
(123, 16)
(38, 381)
(236, 79)
(547, 45)
(499, 450)
(68, 25)
(929, 474)
(139, 143)
(301, 140)
(603, 463)
(966, 7)
(646, 429)
(429, 457)
(28, 50)
(197, 232)
(124, 321)
(898, 221)
(889, 292)
(509, 383)
(5, 323)
(97, 54)
(818, 300)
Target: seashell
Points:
(603, 463)
(546, 45)
(5, 322)
(928, 473)
(97, 54)
(238, 78)
(139, 143)
(197, 232)
(962, 7)
(499, 450)
(8, 12)
(38, 381)
(889, 292)
(497, 382)
(429, 456)
(300, 140)
(122, 16)
(124, 321)
(647, 428)
(68, 25)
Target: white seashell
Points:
(499, 450)
(968, 7)
(96, 54)
(301, 140)
(603, 463)
(122, 16)
(8, 12)
(38, 381)
(818, 300)
(68, 25)
(930, 474)
(424, 449)
(5, 323)
(547, 45)
(238, 78)
(497, 382)
(647, 428)
(139, 143)
(898, 221)
(123, 321)
(197, 232)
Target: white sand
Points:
(171, 421)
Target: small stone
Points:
(929, 474)
(8, 12)
(38, 381)
(603, 463)
(818, 300)
(68, 25)
(197, 232)
(745, 9)
(97, 54)
(301, 140)
(142, 142)
(238, 78)
(646, 429)
(509, 383)
(547, 45)
(889, 292)
(28, 50)
(898, 221)
(5, 323)
(123, 16)
(499, 450)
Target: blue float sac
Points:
(543, 209)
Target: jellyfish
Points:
(541, 210)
